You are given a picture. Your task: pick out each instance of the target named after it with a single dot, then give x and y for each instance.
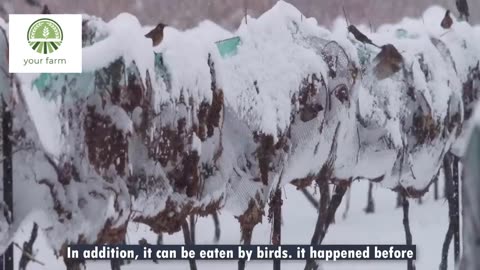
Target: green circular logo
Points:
(45, 36)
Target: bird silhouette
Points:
(45, 10)
(462, 7)
(447, 21)
(360, 36)
(388, 62)
(156, 34)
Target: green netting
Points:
(401, 33)
(42, 82)
(228, 47)
(161, 71)
(365, 53)
(50, 85)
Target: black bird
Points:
(45, 10)
(388, 62)
(156, 35)
(462, 7)
(447, 21)
(360, 36)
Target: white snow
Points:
(268, 69)
(44, 114)
(186, 53)
(428, 225)
(196, 144)
(125, 40)
(120, 119)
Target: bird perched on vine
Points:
(45, 10)
(447, 21)
(360, 36)
(462, 7)
(388, 62)
(156, 34)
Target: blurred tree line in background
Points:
(228, 13)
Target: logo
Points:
(45, 36)
(53, 43)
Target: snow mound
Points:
(271, 63)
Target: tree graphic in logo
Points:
(45, 36)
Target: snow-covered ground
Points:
(429, 222)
